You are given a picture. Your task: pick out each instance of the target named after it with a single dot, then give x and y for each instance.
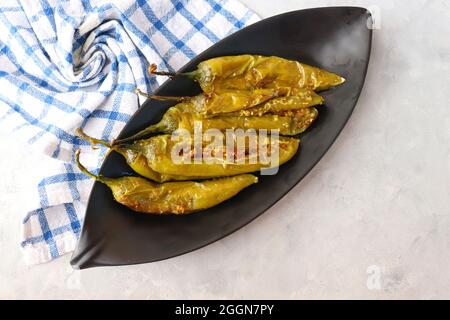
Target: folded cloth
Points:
(76, 63)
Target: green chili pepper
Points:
(286, 122)
(227, 101)
(302, 98)
(185, 113)
(158, 150)
(184, 197)
(239, 102)
(153, 158)
(135, 160)
(248, 72)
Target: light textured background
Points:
(372, 220)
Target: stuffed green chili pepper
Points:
(248, 72)
(183, 197)
(229, 101)
(185, 113)
(154, 158)
(303, 98)
(137, 161)
(288, 123)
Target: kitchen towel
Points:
(76, 63)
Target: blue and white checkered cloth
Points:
(75, 63)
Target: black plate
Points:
(336, 39)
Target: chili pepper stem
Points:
(92, 140)
(161, 98)
(152, 69)
(84, 170)
(137, 136)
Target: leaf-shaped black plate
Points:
(336, 39)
